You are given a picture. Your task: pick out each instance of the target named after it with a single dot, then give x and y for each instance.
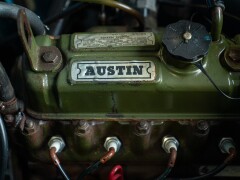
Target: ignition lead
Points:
(200, 66)
(170, 145)
(226, 145)
(112, 145)
(56, 145)
(116, 173)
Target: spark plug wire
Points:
(96, 165)
(56, 145)
(56, 161)
(171, 164)
(226, 146)
(229, 158)
(199, 65)
(108, 155)
(116, 173)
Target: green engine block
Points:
(123, 76)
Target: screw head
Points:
(142, 128)
(29, 124)
(82, 128)
(49, 57)
(202, 128)
(143, 125)
(202, 125)
(187, 36)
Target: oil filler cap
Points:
(187, 40)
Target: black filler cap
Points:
(188, 40)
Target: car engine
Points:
(119, 89)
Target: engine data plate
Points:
(108, 40)
(113, 71)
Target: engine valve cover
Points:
(125, 76)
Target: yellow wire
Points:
(121, 6)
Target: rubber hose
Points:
(3, 149)
(11, 11)
(6, 89)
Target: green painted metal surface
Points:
(176, 93)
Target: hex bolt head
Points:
(112, 142)
(169, 142)
(202, 128)
(226, 144)
(57, 142)
(49, 57)
(29, 124)
(82, 128)
(234, 56)
(202, 125)
(142, 128)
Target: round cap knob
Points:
(187, 40)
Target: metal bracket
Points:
(9, 107)
(41, 58)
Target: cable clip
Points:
(20, 120)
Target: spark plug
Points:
(170, 145)
(112, 142)
(56, 145)
(169, 142)
(112, 145)
(226, 144)
(56, 142)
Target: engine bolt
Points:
(49, 57)
(142, 128)
(202, 127)
(82, 128)
(29, 124)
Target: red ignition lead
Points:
(116, 173)
(112, 145)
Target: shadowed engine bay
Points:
(119, 89)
